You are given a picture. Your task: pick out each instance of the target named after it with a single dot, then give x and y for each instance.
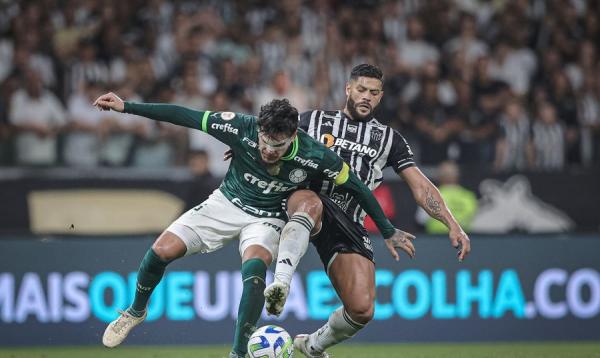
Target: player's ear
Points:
(348, 89)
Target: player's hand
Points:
(227, 155)
(401, 240)
(110, 101)
(460, 241)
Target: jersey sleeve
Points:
(333, 168)
(304, 120)
(401, 156)
(224, 126)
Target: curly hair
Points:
(278, 117)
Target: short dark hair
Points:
(278, 117)
(366, 70)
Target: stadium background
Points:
(508, 90)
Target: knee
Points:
(362, 311)
(165, 252)
(305, 201)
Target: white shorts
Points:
(216, 222)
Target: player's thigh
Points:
(260, 239)
(353, 277)
(210, 225)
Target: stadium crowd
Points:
(514, 85)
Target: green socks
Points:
(150, 273)
(254, 272)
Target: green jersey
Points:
(251, 185)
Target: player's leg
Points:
(258, 247)
(167, 247)
(255, 261)
(201, 229)
(347, 255)
(304, 210)
(353, 277)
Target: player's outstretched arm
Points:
(429, 198)
(171, 113)
(394, 238)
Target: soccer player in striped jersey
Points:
(337, 217)
(272, 159)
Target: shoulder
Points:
(308, 147)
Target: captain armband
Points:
(343, 175)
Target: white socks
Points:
(338, 328)
(292, 246)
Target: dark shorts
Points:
(339, 234)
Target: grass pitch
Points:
(476, 350)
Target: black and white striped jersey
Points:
(367, 147)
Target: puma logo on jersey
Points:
(272, 186)
(227, 128)
(250, 142)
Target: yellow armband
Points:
(343, 175)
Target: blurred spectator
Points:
(548, 139)
(585, 64)
(37, 116)
(478, 53)
(6, 56)
(513, 150)
(282, 87)
(416, 51)
(120, 132)
(7, 88)
(461, 201)
(434, 124)
(189, 93)
(84, 131)
(159, 144)
(562, 96)
(475, 140)
(87, 68)
(513, 67)
(467, 42)
(589, 108)
(204, 182)
(200, 141)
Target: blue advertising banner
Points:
(65, 290)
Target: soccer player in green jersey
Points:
(271, 160)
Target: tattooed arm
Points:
(429, 198)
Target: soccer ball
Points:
(270, 342)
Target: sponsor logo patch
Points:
(227, 116)
(227, 128)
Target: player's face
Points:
(363, 96)
(272, 148)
